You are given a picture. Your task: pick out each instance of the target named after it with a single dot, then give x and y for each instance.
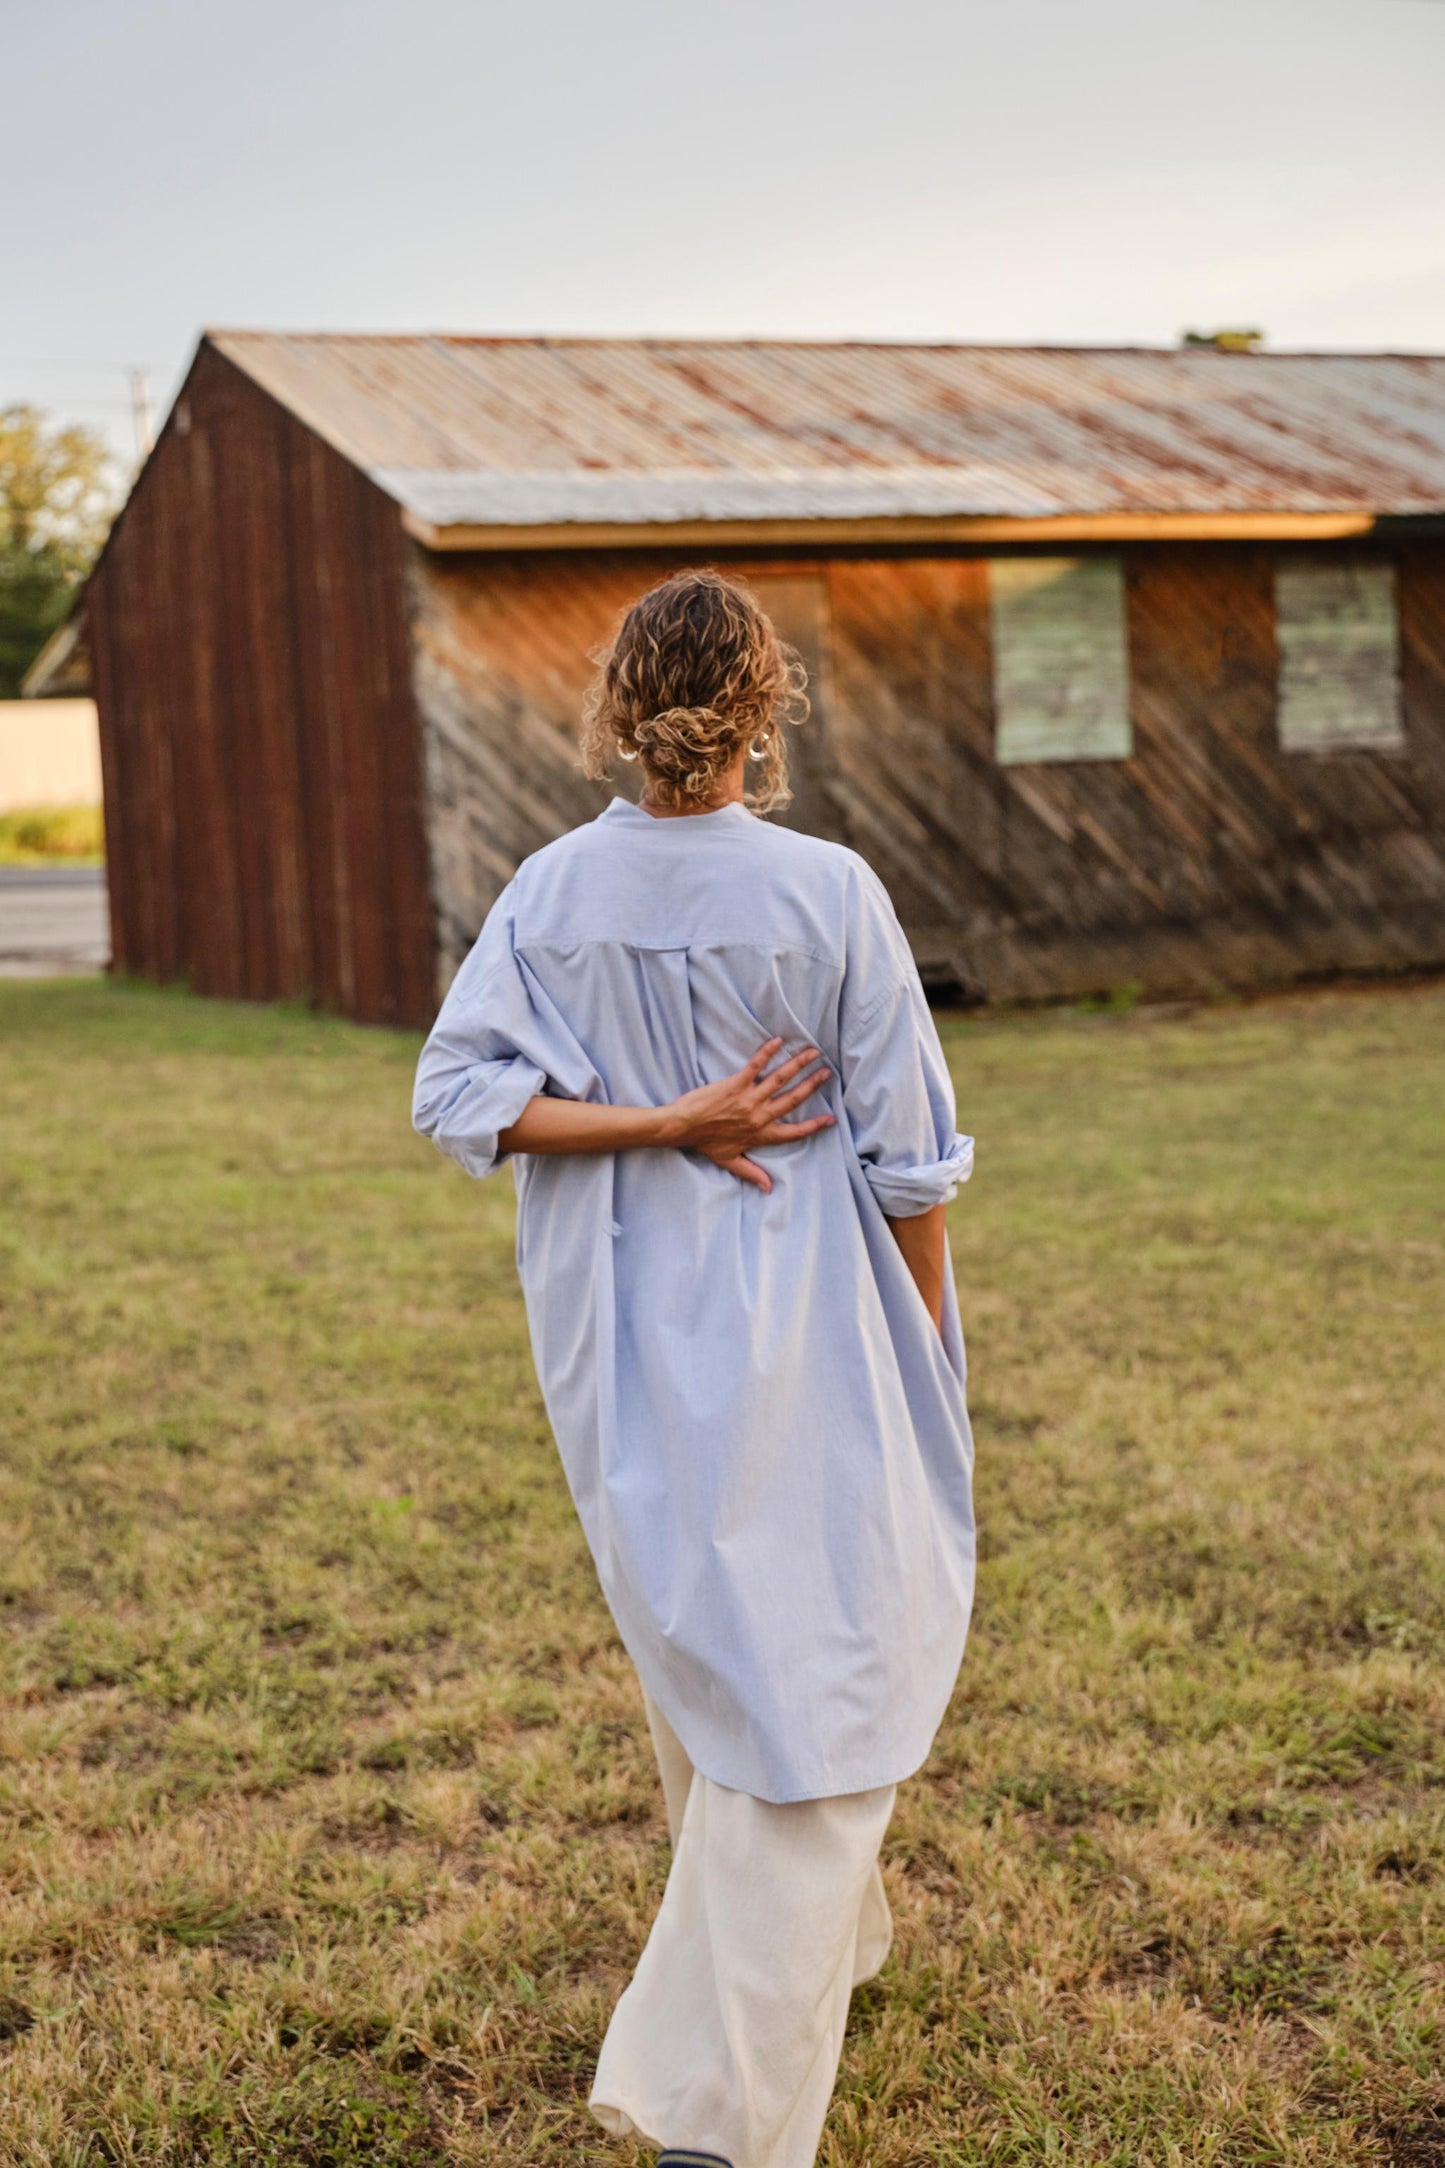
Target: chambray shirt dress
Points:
(765, 1437)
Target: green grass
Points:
(43, 835)
(330, 1831)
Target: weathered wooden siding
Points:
(1209, 858)
(259, 734)
(501, 665)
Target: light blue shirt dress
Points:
(766, 1439)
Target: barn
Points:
(1128, 667)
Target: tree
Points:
(56, 503)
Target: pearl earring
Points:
(627, 752)
(758, 750)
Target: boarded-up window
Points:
(1339, 656)
(1060, 659)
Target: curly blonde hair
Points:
(694, 673)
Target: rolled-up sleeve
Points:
(897, 1093)
(493, 1048)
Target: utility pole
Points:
(140, 406)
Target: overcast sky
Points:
(1061, 170)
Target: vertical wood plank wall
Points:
(1210, 858)
(259, 733)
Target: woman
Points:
(705, 1039)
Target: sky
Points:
(1064, 171)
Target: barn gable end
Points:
(247, 624)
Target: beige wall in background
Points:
(49, 753)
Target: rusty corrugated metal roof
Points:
(504, 433)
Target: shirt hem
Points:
(787, 1796)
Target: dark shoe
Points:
(673, 2159)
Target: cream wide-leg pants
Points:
(727, 2039)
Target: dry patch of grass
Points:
(329, 1827)
(46, 835)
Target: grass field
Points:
(329, 1828)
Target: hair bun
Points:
(699, 724)
(683, 745)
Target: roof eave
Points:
(61, 671)
(839, 533)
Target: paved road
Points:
(53, 920)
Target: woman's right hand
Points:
(727, 1120)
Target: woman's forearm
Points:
(575, 1125)
(924, 1243)
(724, 1121)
